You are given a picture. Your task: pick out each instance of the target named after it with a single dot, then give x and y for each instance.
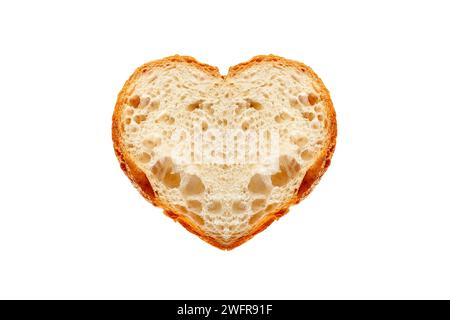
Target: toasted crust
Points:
(140, 181)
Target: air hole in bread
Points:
(144, 102)
(129, 111)
(208, 108)
(144, 157)
(140, 118)
(259, 184)
(312, 99)
(300, 141)
(127, 121)
(238, 207)
(165, 118)
(254, 104)
(282, 117)
(162, 118)
(320, 117)
(154, 105)
(245, 126)
(195, 206)
(172, 180)
(303, 99)
(258, 204)
(193, 186)
(280, 178)
(289, 168)
(307, 155)
(164, 171)
(134, 101)
(204, 126)
(308, 116)
(194, 105)
(151, 143)
(294, 103)
(214, 207)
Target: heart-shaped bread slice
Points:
(224, 155)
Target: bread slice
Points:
(224, 155)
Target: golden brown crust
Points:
(140, 181)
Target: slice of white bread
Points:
(224, 202)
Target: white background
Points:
(72, 225)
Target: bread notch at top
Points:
(224, 156)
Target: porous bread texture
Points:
(225, 204)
